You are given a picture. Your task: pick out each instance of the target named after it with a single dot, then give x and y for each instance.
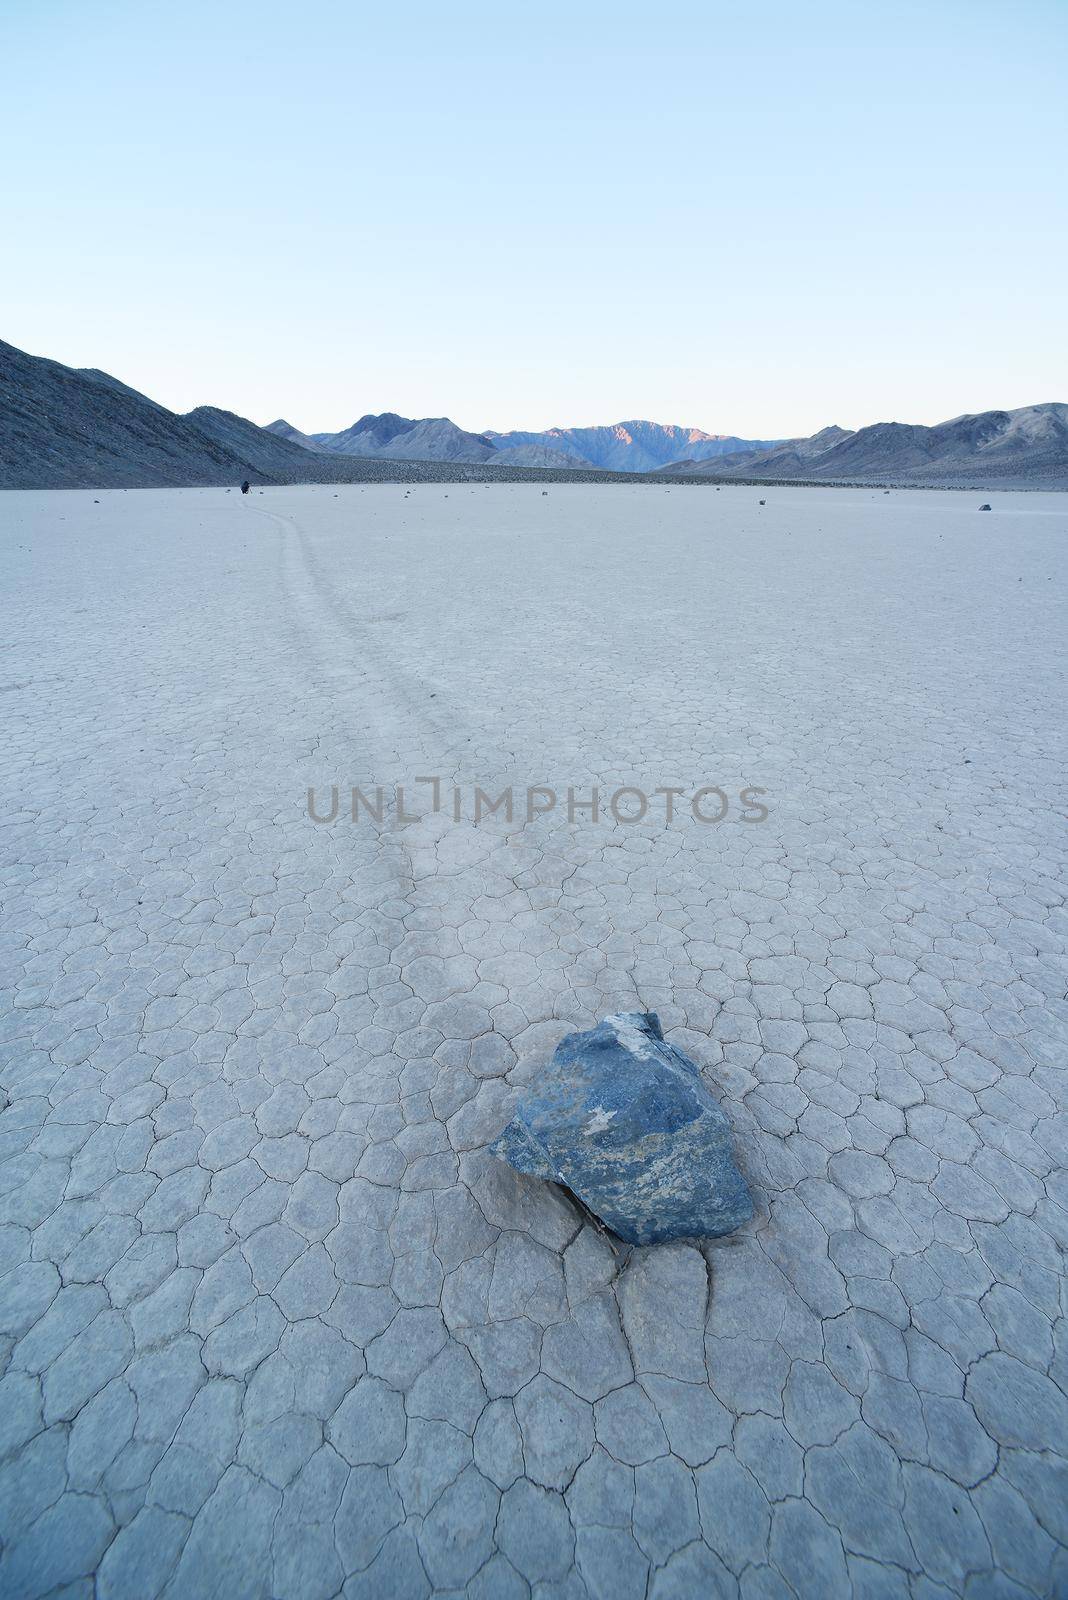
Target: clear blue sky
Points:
(748, 218)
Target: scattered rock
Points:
(624, 1120)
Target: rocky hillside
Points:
(262, 452)
(1027, 448)
(65, 429)
(536, 455)
(395, 438)
(68, 428)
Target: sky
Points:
(751, 219)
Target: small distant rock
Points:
(625, 1121)
(984, 508)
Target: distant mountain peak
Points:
(391, 437)
(633, 445)
(286, 430)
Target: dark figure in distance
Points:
(245, 487)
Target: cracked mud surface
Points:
(272, 1324)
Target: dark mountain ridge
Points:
(61, 428)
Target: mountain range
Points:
(388, 437)
(634, 446)
(1026, 448)
(64, 427)
(77, 428)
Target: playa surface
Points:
(272, 1322)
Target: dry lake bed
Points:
(272, 1321)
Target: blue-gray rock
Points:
(624, 1120)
